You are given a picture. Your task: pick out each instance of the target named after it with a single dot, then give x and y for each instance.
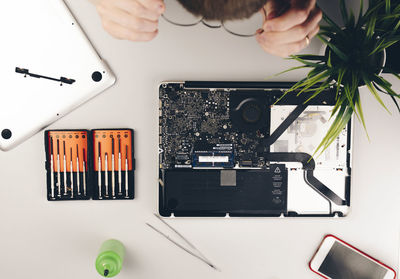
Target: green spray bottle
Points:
(110, 258)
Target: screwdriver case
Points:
(66, 164)
(72, 164)
(113, 164)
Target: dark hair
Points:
(223, 9)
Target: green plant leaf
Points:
(386, 89)
(298, 84)
(331, 23)
(374, 92)
(316, 71)
(360, 15)
(329, 63)
(341, 73)
(396, 9)
(390, 16)
(342, 118)
(355, 81)
(291, 69)
(351, 21)
(329, 29)
(391, 96)
(387, 6)
(396, 27)
(343, 11)
(360, 111)
(385, 43)
(339, 115)
(340, 126)
(395, 102)
(294, 87)
(312, 57)
(327, 34)
(380, 80)
(376, 49)
(337, 51)
(342, 99)
(387, 86)
(314, 80)
(395, 74)
(373, 8)
(318, 90)
(377, 31)
(312, 64)
(350, 96)
(342, 102)
(371, 26)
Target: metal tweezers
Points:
(197, 255)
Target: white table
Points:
(41, 239)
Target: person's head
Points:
(223, 9)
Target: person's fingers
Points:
(286, 21)
(124, 33)
(263, 13)
(314, 32)
(129, 21)
(274, 8)
(295, 15)
(153, 5)
(296, 33)
(133, 7)
(285, 50)
(303, 4)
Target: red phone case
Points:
(351, 246)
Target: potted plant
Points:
(393, 51)
(354, 57)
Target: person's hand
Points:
(134, 20)
(288, 26)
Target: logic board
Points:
(215, 139)
(196, 131)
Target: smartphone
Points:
(336, 259)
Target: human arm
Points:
(288, 26)
(134, 20)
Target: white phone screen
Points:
(345, 263)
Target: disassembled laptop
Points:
(228, 149)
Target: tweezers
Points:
(199, 255)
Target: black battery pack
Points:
(211, 192)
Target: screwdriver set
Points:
(112, 163)
(97, 164)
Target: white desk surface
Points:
(41, 239)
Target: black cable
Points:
(309, 167)
(285, 124)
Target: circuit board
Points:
(196, 130)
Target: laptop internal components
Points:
(231, 148)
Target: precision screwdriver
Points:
(99, 172)
(65, 170)
(72, 176)
(84, 171)
(58, 169)
(77, 171)
(119, 168)
(51, 167)
(112, 169)
(126, 173)
(106, 173)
